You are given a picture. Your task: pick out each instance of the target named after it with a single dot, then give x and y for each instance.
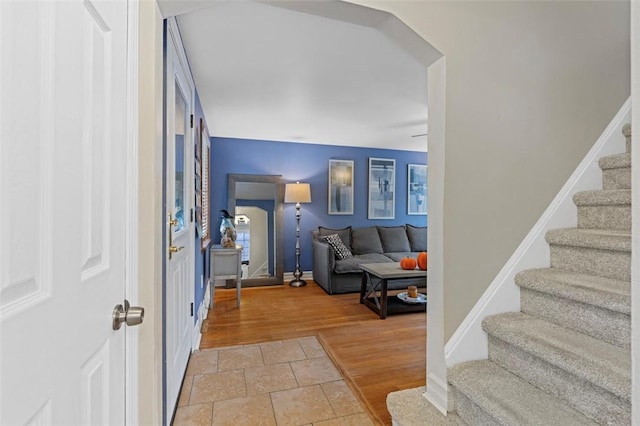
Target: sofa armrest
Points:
(323, 264)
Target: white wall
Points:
(150, 211)
(635, 248)
(530, 87)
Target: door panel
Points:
(62, 203)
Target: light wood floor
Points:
(375, 356)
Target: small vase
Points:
(227, 231)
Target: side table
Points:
(226, 264)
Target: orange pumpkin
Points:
(423, 257)
(408, 263)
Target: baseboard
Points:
(208, 298)
(438, 394)
(469, 341)
(197, 337)
(288, 276)
(202, 313)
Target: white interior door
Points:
(180, 230)
(63, 121)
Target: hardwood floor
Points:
(375, 356)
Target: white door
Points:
(63, 85)
(179, 293)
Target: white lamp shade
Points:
(297, 193)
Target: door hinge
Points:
(191, 214)
(192, 121)
(191, 308)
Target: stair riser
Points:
(616, 178)
(626, 131)
(471, 413)
(610, 326)
(602, 263)
(617, 217)
(593, 401)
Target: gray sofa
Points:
(371, 244)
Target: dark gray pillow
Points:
(339, 249)
(343, 233)
(394, 239)
(417, 237)
(365, 240)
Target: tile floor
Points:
(288, 382)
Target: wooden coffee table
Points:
(373, 291)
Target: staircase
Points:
(565, 358)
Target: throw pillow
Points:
(343, 233)
(394, 239)
(366, 240)
(417, 237)
(341, 251)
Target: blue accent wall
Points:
(308, 163)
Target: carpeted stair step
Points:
(608, 209)
(616, 171)
(487, 394)
(597, 306)
(605, 253)
(590, 375)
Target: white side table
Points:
(226, 264)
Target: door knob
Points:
(132, 316)
(172, 222)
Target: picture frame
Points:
(417, 189)
(340, 191)
(382, 182)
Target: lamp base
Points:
(297, 283)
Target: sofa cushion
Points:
(352, 265)
(365, 240)
(339, 249)
(394, 239)
(417, 237)
(343, 233)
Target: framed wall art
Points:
(340, 187)
(417, 189)
(382, 182)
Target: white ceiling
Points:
(269, 72)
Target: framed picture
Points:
(417, 189)
(382, 182)
(340, 187)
